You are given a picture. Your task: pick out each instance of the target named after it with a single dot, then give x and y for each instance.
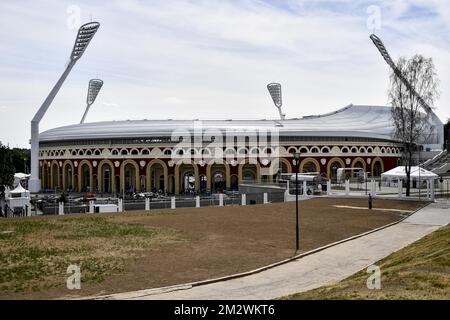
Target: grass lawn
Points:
(130, 251)
(418, 271)
(35, 253)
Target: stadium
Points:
(155, 155)
(208, 156)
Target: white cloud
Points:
(174, 100)
(210, 59)
(109, 105)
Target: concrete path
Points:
(325, 267)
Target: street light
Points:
(93, 89)
(296, 156)
(275, 93)
(385, 54)
(84, 36)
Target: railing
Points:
(181, 201)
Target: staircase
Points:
(440, 164)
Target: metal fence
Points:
(165, 203)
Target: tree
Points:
(12, 161)
(413, 90)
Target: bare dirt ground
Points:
(219, 241)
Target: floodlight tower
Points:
(84, 36)
(275, 93)
(385, 54)
(93, 89)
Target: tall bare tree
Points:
(413, 90)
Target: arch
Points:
(156, 152)
(375, 169)
(325, 150)
(134, 152)
(358, 159)
(218, 180)
(314, 149)
(268, 151)
(344, 149)
(206, 152)
(290, 150)
(362, 150)
(186, 162)
(178, 152)
(112, 183)
(209, 168)
(165, 173)
(55, 180)
(230, 152)
(304, 150)
(68, 176)
(330, 173)
(242, 150)
(306, 161)
(287, 163)
(137, 185)
(248, 162)
(354, 150)
(82, 178)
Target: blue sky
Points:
(209, 59)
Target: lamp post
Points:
(93, 89)
(296, 156)
(275, 93)
(84, 36)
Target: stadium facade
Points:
(177, 156)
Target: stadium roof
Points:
(351, 121)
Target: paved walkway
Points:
(325, 267)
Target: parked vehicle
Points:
(348, 173)
(315, 182)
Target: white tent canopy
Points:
(21, 176)
(19, 189)
(416, 173)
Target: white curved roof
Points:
(351, 121)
